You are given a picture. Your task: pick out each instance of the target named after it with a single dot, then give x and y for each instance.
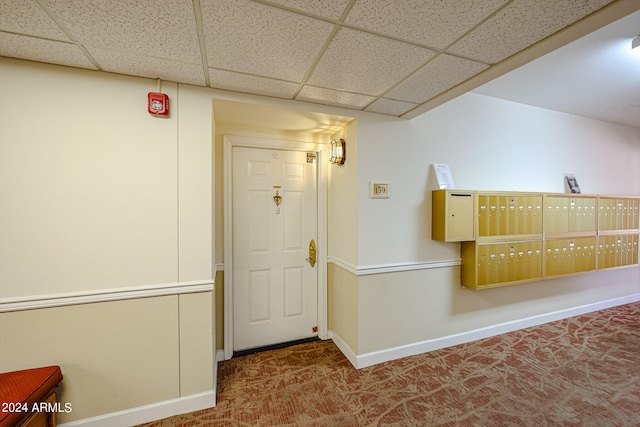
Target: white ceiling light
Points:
(635, 42)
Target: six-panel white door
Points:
(274, 286)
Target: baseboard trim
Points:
(386, 355)
(148, 413)
(344, 348)
(103, 295)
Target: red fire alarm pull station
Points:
(158, 104)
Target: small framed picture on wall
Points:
(572, 183)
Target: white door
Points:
(274, 286)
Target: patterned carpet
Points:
(582, 371)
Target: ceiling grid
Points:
(386, 57)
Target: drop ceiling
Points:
(399, 58)
(596, 76)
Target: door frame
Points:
(231, 141)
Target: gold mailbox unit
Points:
(570, 232)
(618, 231)
(453, 215)
(512, 237)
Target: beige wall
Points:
(404, 308)
(407, 285)
(103, 195)
(111, 198)
(219, 310)
(116, 355)
(105, 202)
(490, 144)
(342, 310)
(196, 171)
(197, 346)
(259, 117)
(342, 209)
(93, 182)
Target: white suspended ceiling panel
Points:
(395, 58)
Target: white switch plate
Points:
(378, 190)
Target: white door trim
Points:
(231, 141)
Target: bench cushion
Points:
(27, 386)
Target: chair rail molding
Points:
(104, 295)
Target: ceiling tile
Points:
(146, 66)
(27, 17)
(332, 9)
(256, 39)
(444, 72)
(361, 62)
(390, 106)
(521, 24)
(433, 23)
(386, 57)
(41, 50)
(334, 97)
(160, 28)
(252, 84)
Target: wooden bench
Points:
(28, 397)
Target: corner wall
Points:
(106, 239)
(393, 290)
(409, 297)
(265, 118)
(117, 356)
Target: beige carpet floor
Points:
(582, 371)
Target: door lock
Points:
(312, 253)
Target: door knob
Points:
(312, 253)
